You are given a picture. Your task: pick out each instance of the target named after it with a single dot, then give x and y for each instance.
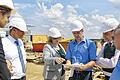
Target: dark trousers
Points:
(81, 75)
(107, 77)
(4, 72)
(23, 78)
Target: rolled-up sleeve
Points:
(68, 53)
(109, 63)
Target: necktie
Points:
(20, 56)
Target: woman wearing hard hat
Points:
(6, 7)
(54, 56)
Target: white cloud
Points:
(54, 12)
(98, 17)
(22, 5)
(71, 11)
(61, 16)
(56, 16)
(95, 11)
(85, 21)
(116, 3)
(46, 1)
(41, 6)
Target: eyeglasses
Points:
(77, 32)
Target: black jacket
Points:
(4, 72)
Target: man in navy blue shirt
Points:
(81, 54)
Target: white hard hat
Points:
(7, 3)
(110, 24)
(18, 23)
(78, 25)
(54, 32)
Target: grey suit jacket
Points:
(51, 69)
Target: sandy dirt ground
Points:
(35, 69)
(34, 72)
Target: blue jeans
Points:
(116, 73)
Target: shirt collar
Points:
(83, 40)
(117, 50)
(11, 38)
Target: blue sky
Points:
(44, 14)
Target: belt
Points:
(22, 78)
(110, 70)
(82, 75)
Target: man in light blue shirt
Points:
(81, 53)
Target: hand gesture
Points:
(82, 67)
(9, 65)
(59, 60)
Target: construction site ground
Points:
(35, 68)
